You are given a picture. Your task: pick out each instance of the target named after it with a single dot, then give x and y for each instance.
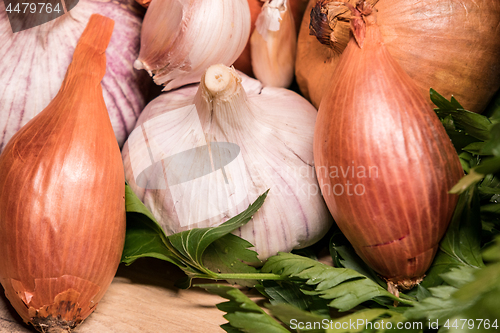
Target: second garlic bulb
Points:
(181, 39)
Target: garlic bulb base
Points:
(217, 78)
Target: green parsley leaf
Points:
(345, 287)
(243, 314)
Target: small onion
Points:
(34, 62)
(451, 46)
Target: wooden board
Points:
(141, 298)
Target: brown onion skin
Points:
(451, 46)
(62, 199)
(374, 116)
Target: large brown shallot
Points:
(449, 45)
(62, 206)
(384, 161)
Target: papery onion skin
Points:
(450, 46)
(34, 62)
(374, 120)
(62, 198)
(273, 128)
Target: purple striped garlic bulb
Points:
(201, 154)
(34, 63)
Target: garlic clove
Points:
(181, 39)
(273, 44)
(273, 130)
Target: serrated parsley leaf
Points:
(230, 254)
(243, 314)
(289, 292)
(222, 251)
(191, 244)
(345, 287)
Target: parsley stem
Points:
(249, 276)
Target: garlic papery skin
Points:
(34, 63)
(272, 129)
(273, 44)
(181, 39)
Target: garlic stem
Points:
(270, 18)
(222, 103)
(221, 81)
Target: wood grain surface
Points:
(142, 298)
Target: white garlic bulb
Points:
(201, 154)
(273, 44)
(181, 39)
